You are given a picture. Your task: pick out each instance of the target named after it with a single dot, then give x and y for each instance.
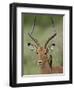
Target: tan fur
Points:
(45, 68)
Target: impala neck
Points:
(45, 68)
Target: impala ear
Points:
(52, 46)
(31, 47)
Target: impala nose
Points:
(39, 61)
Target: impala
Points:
(44, 59)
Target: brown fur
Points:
(46, 64)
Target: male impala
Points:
(44, 60)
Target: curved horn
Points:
(35, 40)
(50, 38)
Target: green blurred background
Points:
(43, 30)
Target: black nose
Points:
(40, 62)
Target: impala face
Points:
(42, 52)
(42, 55)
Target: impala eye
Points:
(45, 53)
(37, 53)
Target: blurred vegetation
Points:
(43, 30)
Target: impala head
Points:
(42, 54)
(41, 51)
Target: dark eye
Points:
(45, 53)
(36, 52)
